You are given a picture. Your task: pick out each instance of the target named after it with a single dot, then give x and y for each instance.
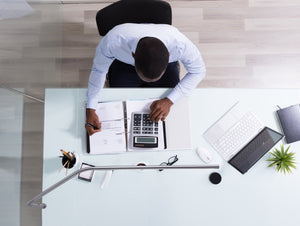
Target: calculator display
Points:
(145, 139)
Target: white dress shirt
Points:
(121, 41)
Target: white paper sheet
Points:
(111, 138)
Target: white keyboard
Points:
(238, 136)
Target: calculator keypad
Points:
(143, 125)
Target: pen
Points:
(64, 165)
(94, 127)
(65, 153)
(68, 167)
(73, 155)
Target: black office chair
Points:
(133, 11)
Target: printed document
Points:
(112, 137)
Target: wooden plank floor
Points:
(244, 43)
(251, 43)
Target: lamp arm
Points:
(33, 202)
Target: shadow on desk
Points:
(53, 165)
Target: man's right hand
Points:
(92, 119)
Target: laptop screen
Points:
(255, 149)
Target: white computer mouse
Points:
(204, 154)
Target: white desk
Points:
(172, 197)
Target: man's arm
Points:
(194, 64)
(101, 64)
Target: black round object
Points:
(141, 164)
(71, 164)
(215, 178)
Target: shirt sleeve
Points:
(194, 64)
(102, 60)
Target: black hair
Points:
(151, 57)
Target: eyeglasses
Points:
(170, 162)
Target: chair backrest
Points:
(133, 11)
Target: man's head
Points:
(151, 59)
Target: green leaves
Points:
(283, 160)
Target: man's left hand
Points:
(160, 109)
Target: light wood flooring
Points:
(244, 43)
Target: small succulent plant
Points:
(283, 160)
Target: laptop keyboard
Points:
(238, 135)
(256, 148)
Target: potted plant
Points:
(282, 159)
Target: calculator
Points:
(145, 133)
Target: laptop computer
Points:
(241, 138)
